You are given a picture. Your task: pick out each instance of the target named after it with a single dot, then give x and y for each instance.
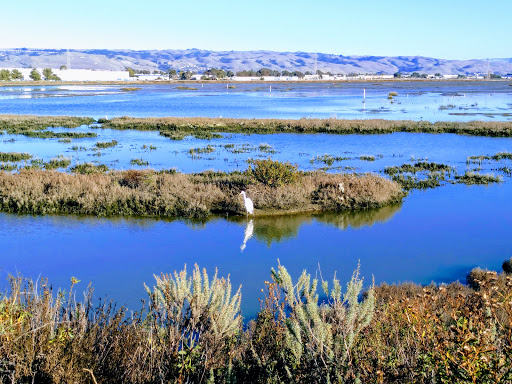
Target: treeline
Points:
(47, 74)
(214, 73)
(6, 75)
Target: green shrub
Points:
(272, 172)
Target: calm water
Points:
(435, 235)
(233, 150)
(433, 101)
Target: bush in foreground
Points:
(191, 331)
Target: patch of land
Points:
(172, 194)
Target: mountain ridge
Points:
(198, 60)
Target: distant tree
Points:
(397, 75)
(461, 76)
(16, 75)
(245, 73)
(299, 74)
(63, 68)
(171, 73)
(35, 75)
(185, 75)
(415, 74)
(308, 73)
(47, 73)
(229, 74)
(214, 73)
(5, 75)
(424, 75)
(131, 72)
(495, 76)
(438, 75)
(264, 72)
(320, 74)
(286, 73)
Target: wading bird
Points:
(249, 206)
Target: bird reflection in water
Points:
(249, 230)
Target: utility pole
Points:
(68, 60)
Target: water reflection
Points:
(249, 231)
(275, 229)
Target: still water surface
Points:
(435, 235)
(432, 101)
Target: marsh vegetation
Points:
(275, 188)
(191, 330)
(170, 125)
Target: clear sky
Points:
(450, 29)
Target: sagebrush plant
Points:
(272, 172)
(322, 336)
(199, 318)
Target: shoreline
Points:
(177, 82)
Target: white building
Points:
(80, 74)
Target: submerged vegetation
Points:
(274, 187)
(105, 144)
(423, 175)
(191, 330)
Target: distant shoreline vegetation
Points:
(168, 125)
(35, 126)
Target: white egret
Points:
(249, 206)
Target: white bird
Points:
(249, 206)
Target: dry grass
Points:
(170, 194)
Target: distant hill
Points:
(199, 60)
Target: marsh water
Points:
(431, 101)
(434, 235)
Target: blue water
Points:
(389, 149)
(435, 235)
(432, 101)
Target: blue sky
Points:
(450, 29)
